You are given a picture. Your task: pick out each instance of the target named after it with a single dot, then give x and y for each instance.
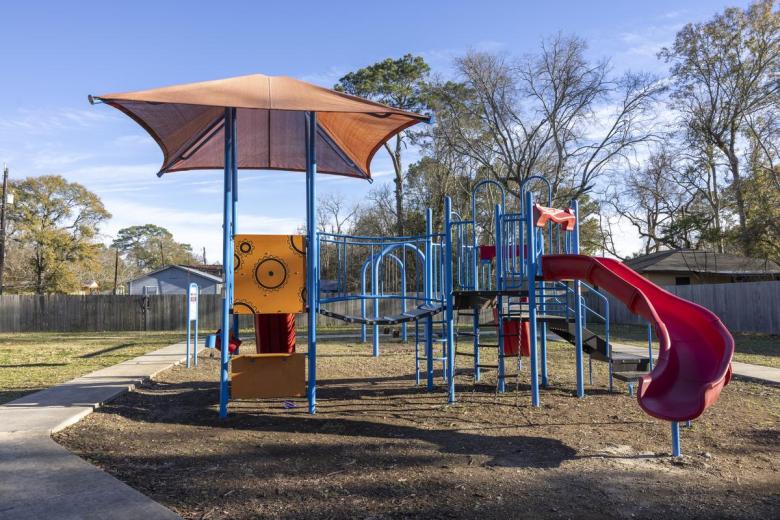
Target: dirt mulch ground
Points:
(380, 447)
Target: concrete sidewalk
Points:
(755, 372)
(41, 479)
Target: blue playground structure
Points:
(437, 279)
(519, 259)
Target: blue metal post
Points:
(531, 278)
(404, 329)
(428, 287)
(227, 261)
(607, 340)
(189, 325)
(590, 370)
(543, 332)
(578, 308)
(363, 306)
(475, 265)
(312, 257)
(475, 331)
(676, 450)
(416, 352)
(650, 343)
(543, 353)
(501, 382)
(195, 344)
(233, 222)
(448, 298)
(375, 290)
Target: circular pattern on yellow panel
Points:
(271, 273)
(300, 249)
(245, 247)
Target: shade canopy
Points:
(187, 121)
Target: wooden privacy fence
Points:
(94, 313)
(742, 307)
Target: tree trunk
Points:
(399, 186)
(716, 208)
(399, 203)
(38, 276)
(740, 199)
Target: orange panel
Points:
(258, 376)
(270, 274)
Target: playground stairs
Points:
(439, 345)
(471, 313)
(625, 366)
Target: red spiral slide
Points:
(694, 360)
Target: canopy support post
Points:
(227, 260)
(233, 222)
(312, 258)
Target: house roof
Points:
(691, 261)
(188, 269)
(212, 269)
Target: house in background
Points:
(687, 266)
(175, 279)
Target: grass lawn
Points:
(32, 361)
(757, 349)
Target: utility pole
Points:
(116, 270)
(2, 225)
(204, 256)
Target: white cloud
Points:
(46, 160)
(133, 140)
(327, 78)
(40, 121)
(197, 228)
(114, 178)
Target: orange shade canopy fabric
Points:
(187, 121)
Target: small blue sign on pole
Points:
(193, 293)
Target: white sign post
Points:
(192, 315)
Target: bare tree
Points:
(481, 118)
(725, 74)
(553, 113)
(649, 199)
(335, 214)
(593, 120)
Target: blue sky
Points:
(52, 54)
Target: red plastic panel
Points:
(564, 217)
(275, 333)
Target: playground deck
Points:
(380, 448)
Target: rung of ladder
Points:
(487, 366)
(487, 345)
(467, 354)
